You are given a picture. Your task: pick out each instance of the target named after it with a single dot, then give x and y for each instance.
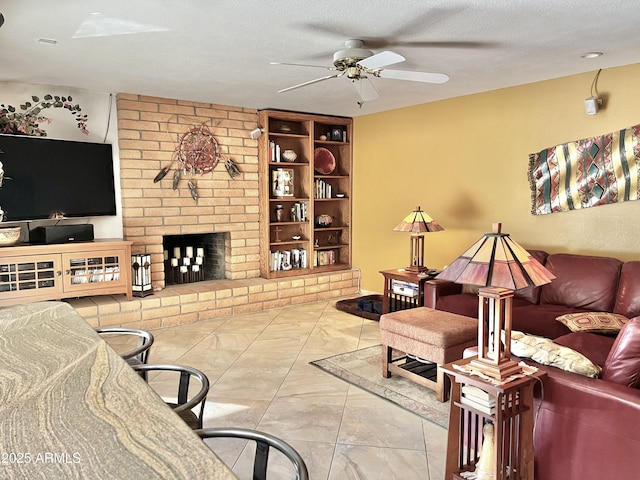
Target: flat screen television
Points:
(45, 178)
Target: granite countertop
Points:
(71, 408)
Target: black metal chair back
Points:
(138, 355)
(185, 403)
(264, 442)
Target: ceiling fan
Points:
(358, 64)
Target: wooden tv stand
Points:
(31, 273)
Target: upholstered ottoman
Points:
(425, 338)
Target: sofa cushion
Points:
(604, 323)
(582, 281)
(463, 304)
(628, 299)
(623, 362)
(541, 319)
(547, 352)
(593, 346)
(467, 304)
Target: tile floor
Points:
(258, 365)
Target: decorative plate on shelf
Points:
(323, 161)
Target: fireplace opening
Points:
(193, 257)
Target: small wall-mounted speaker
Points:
(591, 105)
(255, 133)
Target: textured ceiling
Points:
(220, 51)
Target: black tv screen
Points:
(45, 178)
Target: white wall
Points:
(100, 109)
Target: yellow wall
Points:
(465, 161)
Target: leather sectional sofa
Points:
(586, 428)
(583, 283)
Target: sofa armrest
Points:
(576, 415)
(434, 289)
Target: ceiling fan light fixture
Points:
(351, 55)
(344, 59)
(353, 73)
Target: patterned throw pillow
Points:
(594, 322)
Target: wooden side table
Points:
(395, 299)
(512, 421)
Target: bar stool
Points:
(185, 404)
(263, 442)
(138, 355)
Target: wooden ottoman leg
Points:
(386, 359)
(443, 385)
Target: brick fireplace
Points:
(148, 128)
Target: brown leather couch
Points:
(583, 283)
(585, 428)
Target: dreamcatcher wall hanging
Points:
(197, 152)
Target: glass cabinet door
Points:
(91, 268)
(30, 276)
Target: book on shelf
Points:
(299, 212)
(299, 258)
(322, 189)
(274, 151)
(477, 394)
(324, 257)
(477, 398)
(481, 400)
(287, 259)
(478, 405)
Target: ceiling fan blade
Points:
(365, 89)
(303, 65)
(413, 76)
(420, 23)
(380, 60)
(373, 43)
(310, 82)
(427, 21)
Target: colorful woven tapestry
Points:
(586, 173)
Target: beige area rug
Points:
(362, 368)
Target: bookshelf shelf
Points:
(329, 247)
(311, 194)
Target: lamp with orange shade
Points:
(499, 266)
(417, 223)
